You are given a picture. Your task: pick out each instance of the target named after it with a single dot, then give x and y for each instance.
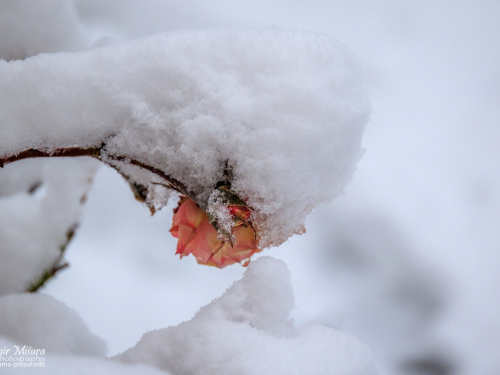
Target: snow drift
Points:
(247, 330)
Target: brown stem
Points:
(172, 182)
(96, 152)
(60, 152)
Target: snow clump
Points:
(248, 331)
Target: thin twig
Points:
(96, 152)
(59, 152)
(172, 182)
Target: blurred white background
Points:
(407, 259)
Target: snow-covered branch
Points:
(284, 110)
(95, 152)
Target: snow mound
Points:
(40, 321)
(283, 110)
(248, 331)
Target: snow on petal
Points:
(197, 236)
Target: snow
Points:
(53, 364)
(417, 226)
(41, 205)
(40, 321)
(40, 200)
(429, 181)
(218, 210)
(190, 102)
(248, 331)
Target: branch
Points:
(58, 264)
(172, 183)
(96, 152)
(59, 152)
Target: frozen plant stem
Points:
(96, 152)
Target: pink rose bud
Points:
(197, 236)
